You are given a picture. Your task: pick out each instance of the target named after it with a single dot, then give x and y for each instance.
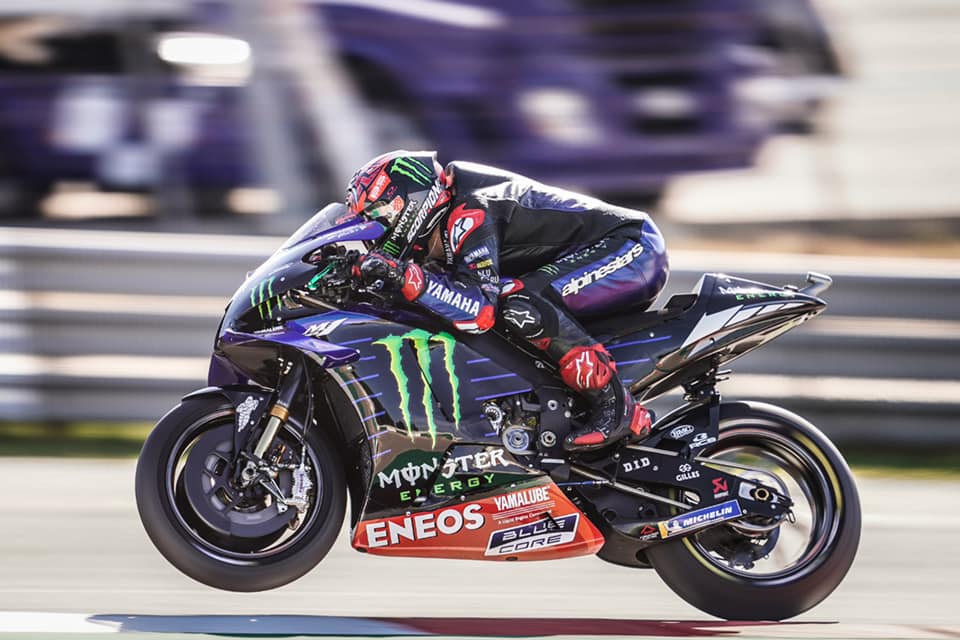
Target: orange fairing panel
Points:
(536, 522)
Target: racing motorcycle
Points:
(449, 445)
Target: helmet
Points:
(406, 191)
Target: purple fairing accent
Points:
(333, 355)
(352, 231)
(222, 373)
(621, 345)
(355, 229)
(636, 272)
(450, 299)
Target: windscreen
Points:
(330, 216)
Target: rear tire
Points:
(694, 572)
(214, 559)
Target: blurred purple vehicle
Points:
(607, 96)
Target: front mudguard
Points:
(250, 404)
(332, 411)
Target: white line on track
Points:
(81, 623)
(44, 622)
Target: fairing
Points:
(419, 395)
(437, 480)
(260, 318)
(260, 304)
(534, 520)
(731, 316)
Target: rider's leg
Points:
(585, 366)
(624, 268)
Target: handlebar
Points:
(335, 284)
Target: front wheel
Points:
(226, 533)
(769, 571)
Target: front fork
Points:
(280, 411)
(278, 414)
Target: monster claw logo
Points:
(413, 169)
(421, 340)
(391, 248)
(261, 297)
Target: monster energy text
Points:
(448, 480)
(450, 486)
(421, 340)
(413, 473)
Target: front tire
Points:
(284, 548)
(701, 569)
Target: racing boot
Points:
(614, 414)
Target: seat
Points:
(623, 322)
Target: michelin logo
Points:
(245, 410)
(700, 518)
(579, 283)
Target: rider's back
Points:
(537, 224)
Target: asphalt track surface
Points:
(74, 560)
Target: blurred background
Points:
(154, 151)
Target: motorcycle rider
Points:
(466, 240)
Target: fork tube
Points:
(280, 410)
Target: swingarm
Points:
(681, 488)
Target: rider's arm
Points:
(466, 296)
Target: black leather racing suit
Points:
(542, 255)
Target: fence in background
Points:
(112, 326)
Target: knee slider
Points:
(522, 317)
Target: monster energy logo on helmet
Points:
(391, 247)
(421, 341)
(422, 175)
(413, 169)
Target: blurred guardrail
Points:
(112, 326)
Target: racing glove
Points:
(406, 277)
(375, 266)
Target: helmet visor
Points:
(385, 212)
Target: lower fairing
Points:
(533, 520)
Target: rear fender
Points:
(695, 424)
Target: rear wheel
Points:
(212, 527)
(760, 569)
